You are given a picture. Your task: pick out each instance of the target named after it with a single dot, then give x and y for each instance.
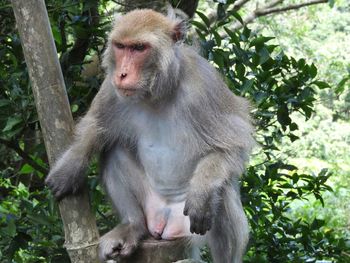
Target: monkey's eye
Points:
(119, 45)
(139, 47)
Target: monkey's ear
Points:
(179, 31)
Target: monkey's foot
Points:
(120, 242)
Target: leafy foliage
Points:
(277, 85)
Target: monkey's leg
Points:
(123, 182)
(229, 235)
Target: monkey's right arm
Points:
(67, 176)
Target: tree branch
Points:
(238, 4)
(272, 9)
(290, 7)
(188, 6)
(25, 156)
(77, 53)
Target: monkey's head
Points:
(141, 54)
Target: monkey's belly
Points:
(166, 167)
(165, 220)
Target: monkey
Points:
(173, 141)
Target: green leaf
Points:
(293, 126)
(283, 115)
(200, 34)
(307, 110)
(264, 55)
(293, 137)
(4, 102)
(218, 59)
(268, 64)
(321, 84)
(246, 33)
(199, 26)
(11, 228)
(74, 108)
(217, 37)
(237, 16)
(313, 70)
(240, 70)
(39, 219)
(259, 41)
(341, 85)
(233, 36)
(26, 169)
(204, 18)
(247, 85)
(301, 63)
(56, 35)
(11, 123)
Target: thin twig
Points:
(25, 156)
(290, 7)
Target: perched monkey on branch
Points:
(173, 141)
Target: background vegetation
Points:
(294, 67)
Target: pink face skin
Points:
(130, 57)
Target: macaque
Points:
(173, 141)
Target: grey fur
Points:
(184, 135)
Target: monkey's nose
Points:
(123, 75)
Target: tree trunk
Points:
(81, 235)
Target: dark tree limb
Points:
(290, 7)
(129, 5)
(272, 8)
(188, 6)
(76, 55)
(25, 156)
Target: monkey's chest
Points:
(166, 160)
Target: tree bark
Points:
(157, 5)
(158, 251)
(81, 235)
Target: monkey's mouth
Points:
(127, 91)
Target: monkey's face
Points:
(130, 58)
(139, 53)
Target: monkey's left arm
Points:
(211, 175)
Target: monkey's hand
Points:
(66, 177)
(200, 209)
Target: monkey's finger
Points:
(185, 212)
(196, 225)
(192, 225)
(202, 226)
(206, 223)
